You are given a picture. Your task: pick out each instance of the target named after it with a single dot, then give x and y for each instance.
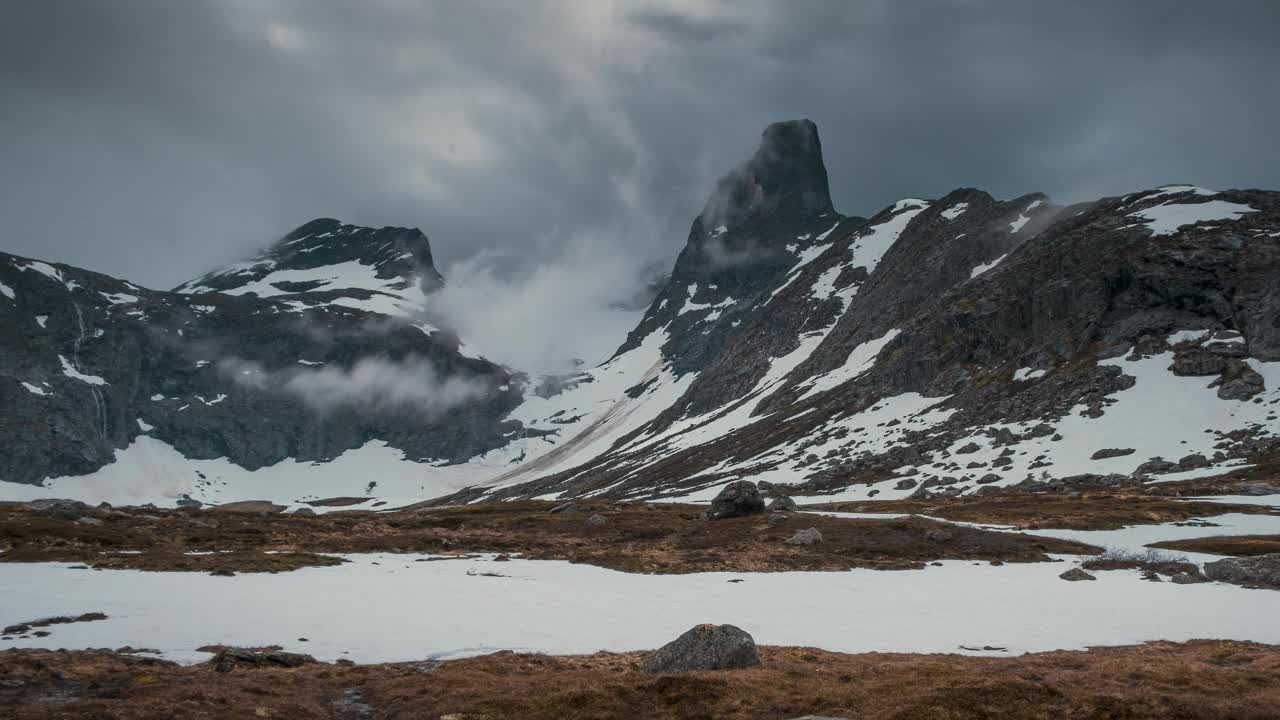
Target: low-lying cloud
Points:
(577, 304)
(369, 386)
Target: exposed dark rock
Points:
(783, 503)
(1256, 571)
(597, 520)
(776, 519)
(1240, 382)
(1076, 575)
(737, 499)
(1111, 453)
(59, 509)
(1157, 466)
(704, 647)
(229, 659)
(808, 536)
(1197, 361)
(1193, 461)
(258, 507)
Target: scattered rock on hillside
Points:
(1105, 453)
(776, 519)
(737, 499)
(1239, 382)
(1258, 490)
(1076, 575)
(1259, 570)
(597, 520)
(1186, 578)
(261, 507)
(229, 659)
(783, 503)
(808, 536)
(705, 647)
(59, 509)
(1194, 461)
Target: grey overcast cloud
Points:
(156, 140)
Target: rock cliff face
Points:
(292, 358)
(938, 346)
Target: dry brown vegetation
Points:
(1198, 679)
(634, 538)
(1235, 546)
(1086, 511)
(1151, 561)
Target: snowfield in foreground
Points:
(386, 607)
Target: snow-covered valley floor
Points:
(389, 607)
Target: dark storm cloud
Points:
(156, 139)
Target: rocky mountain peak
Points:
(387, 270)
(785, 180)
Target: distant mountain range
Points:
(938, 347)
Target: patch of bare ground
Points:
(1152, 561)
(1107, 510)
(633, 538)
(1197, 679)
(1235, 546)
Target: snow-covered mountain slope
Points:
(327, 262)
(940, 346)
(97, 371)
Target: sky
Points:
(155, 140)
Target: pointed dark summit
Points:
(784, 179)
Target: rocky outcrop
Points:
(229, 659)
(705, 647)
(1257, 571)
(808, 536)
(737, 499)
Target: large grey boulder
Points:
(808, 536)
(705, 647)
(1076, 575)
(229, 659)
(1260, 570)
(783, 503)
(1239, 382)
(737, 499)
(59, 508)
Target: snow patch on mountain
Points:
(979, 269)
(1167, 218)
(72, 372)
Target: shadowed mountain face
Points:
(784, 181)
(937, 347)
(312, 359)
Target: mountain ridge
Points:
(938, 346)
